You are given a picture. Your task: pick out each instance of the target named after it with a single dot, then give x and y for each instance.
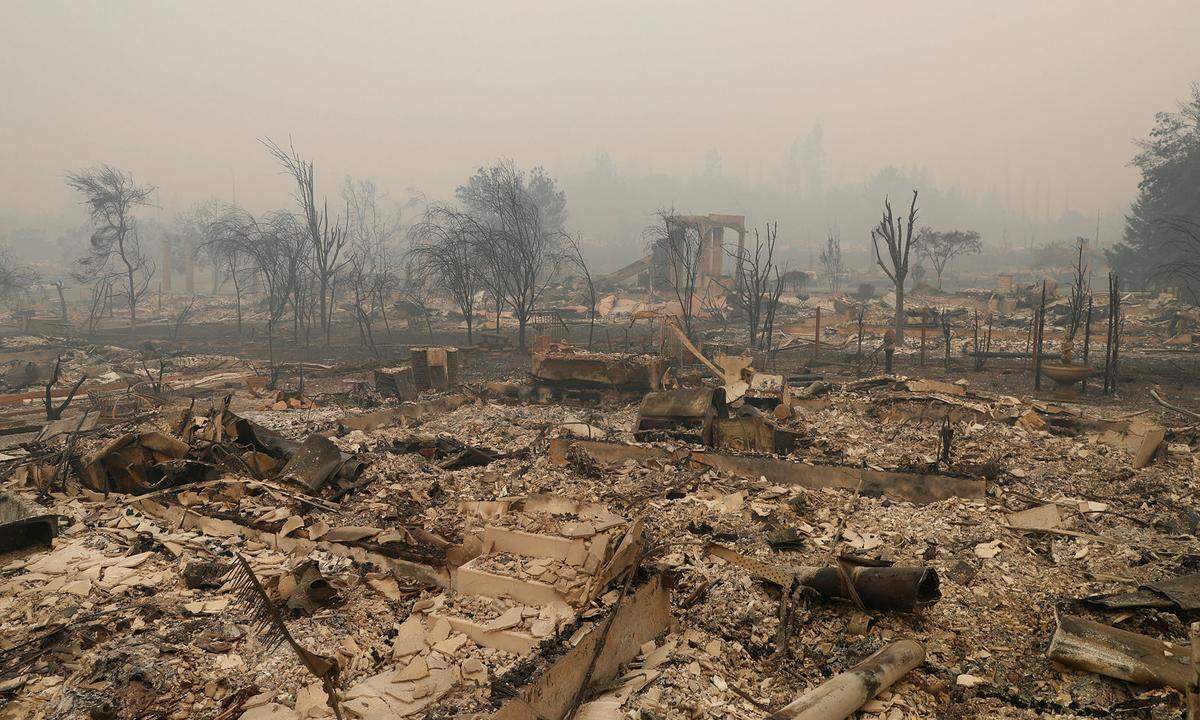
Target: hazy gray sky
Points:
(419, 93)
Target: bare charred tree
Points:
(225, 248)
(768, 334)
(522, 245)
(897, 235)
(940, 247)
(16, 280)
(758, 284)
(54, 412)
(366, 264)
(300, 286)
(490, 276)
(59, 287)
(233, 263)
(182, 317)
(373, 230)
(374, 227)
(443, 249)
(416, 291)
(112, 196)
(269, 247)
(278, 260)
(576, 261)
(832, 266)
(327, 240)
(191, 235)
(1112, 343)
(677, 246)
(796, 280)
(360, 271)
(100, 290)
(384, 281)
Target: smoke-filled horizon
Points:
(1017, 114)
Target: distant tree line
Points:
(501, 242)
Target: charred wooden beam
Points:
(914, 487)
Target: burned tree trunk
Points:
(896, 233)
(52, 412)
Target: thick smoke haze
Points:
(1021, 110)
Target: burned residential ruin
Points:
(497, 361)
(655, 525)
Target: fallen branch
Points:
(231, 480)
(1066, 533)
(1182, 411)
(52, 412)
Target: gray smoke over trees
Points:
(832, 267)
(16, 279)
(112, 197)
(1157, 247)
(607, 200)
(520, 217)
(939, 247)
(444, 249)
(374, 227)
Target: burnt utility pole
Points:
(889, 349)
(1039, 330)
(817, 337)
(1113, 342)
(987, 343)
(858, 356)
(924, 327)
(946, 336)
(1087, 338)
(975, 342)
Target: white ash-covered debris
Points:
(132, 610)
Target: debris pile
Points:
(593, 535)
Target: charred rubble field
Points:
(456, 532)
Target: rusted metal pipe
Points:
(1140, 659)
(841, 695)
(880, 588)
